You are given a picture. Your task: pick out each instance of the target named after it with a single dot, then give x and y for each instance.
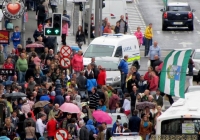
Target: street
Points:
(172, 38)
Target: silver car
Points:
(113, 76)
(196, 59)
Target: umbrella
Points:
(41, 104)
(101, 117)
(63, 18)
(15, 95)
(142, 105)
(35, 45)
(70, 108)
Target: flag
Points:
(173, 73)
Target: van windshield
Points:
(99, 51)
(180, 126)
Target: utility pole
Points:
(23, 39)
(83, 16)
(100, 16)
(97, 18)
(64, 5)
(89, 20)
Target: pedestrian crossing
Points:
(135, 18)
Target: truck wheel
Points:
(191, 27)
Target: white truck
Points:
(113, 10)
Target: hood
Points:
(113, 76)
(90, 122)
(86, 61)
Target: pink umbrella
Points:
(70, 108)
(35, 45)
(101, 117)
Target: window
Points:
(99, 51)
(108, 65)
(178, 8)
(178, 126)
(118, 52)
(196, 55)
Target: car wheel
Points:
(191, 27)
(164, 27)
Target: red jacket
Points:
(154, 83)
(101, 79)
(77, 62)
(146, 77)
(51, 127)
(8, 66)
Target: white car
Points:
(196, 59)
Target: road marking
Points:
(198, 20)
(195, 17)
(185, 44)
(137, 1)
(172, 32)
(198, 32)
(158, 32)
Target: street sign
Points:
(61, 134)
(65, 62)
(65, 51)
(8, 72)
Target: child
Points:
(16, 36)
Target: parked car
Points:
(113, 76)
(192, 88)
(124, 119)
(177, 14)
(196, 59)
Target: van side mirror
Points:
(161, 10)
(193, 10)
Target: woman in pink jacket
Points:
(139, 36)
(77, 62)
(64, 31)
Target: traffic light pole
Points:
(97, 18)
(23, 39)
(89, 21)
(65, 5)
(100, 16)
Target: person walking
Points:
(30, 131)
(83, 133)
(123, 67)
(51, 128)
(148, 35)
(123, 26)
(41, 13)
(77, 62)
(154, 50)
(40, 127)
(54, 4)
(64, 32)
(134, 122)
(139, 36)
(16, 37)
(190, 71)
(22, 67)
(145, 128)
(80, 36)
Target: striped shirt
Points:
(94, 101)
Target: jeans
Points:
(147, 137)
(123, 81)
(148, 43)
(53, 7)
(21, 77)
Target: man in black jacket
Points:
(134, 122)
(156, 62)
(122, 25)
(84, 133)
(107, 132)
(82, 83)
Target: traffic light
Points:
(80, 6)
(103, 4)
(56, 28)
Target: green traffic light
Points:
(48, 31)
(56, 31)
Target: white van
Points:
(114, 45)
(113, 10)
(182, 118)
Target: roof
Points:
(107, 59)
(178, 4)
(111, 39)
(188, 106)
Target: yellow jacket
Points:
(148, 33)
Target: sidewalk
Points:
(70, 38)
